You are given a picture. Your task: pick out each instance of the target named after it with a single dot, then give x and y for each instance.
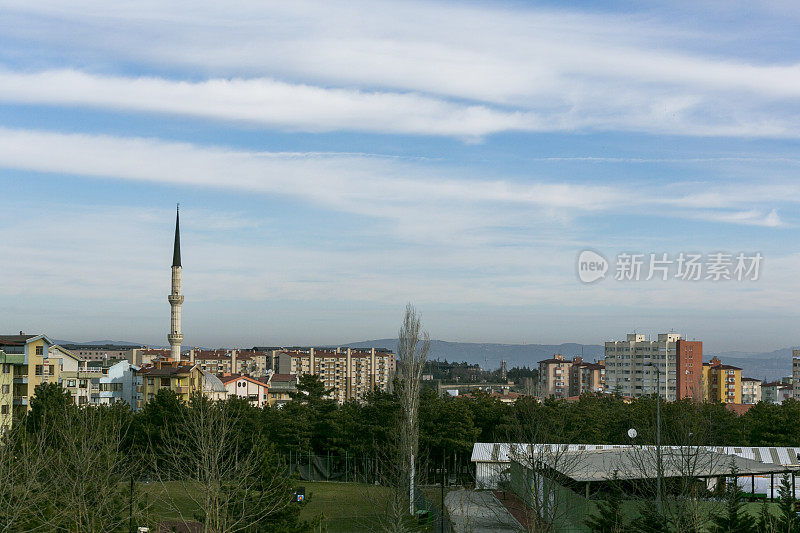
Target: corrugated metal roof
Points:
(499, 451)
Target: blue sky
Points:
(336, 160)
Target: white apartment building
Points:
(796, 374)
(751, 390)
(628, 365)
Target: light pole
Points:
(658, 436)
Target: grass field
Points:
(342, 507)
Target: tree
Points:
(787, 518)
(49, 404)
(24, 459)
(89, 486)
(410, 363)
(234, 480)
(609, 517)
(736, 518)
(650, 520)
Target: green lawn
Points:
(343, 507)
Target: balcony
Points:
(21, 379)
(181, 390)
(21, 400)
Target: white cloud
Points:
(410, 67)
(420, 202)
(365, 185)
(264, 102)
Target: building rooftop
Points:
(227, 378)
(15, 339)
(503, 451)
(640, 463)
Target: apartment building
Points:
(181, 378)
(723, 382)
(562, 378)
(751, 390)
(350, 372)
(281, 386)
(27, 362)
(230, 361)
(669, 366)
(102, 382)
(776, 392)
(554, 377)
(106, 352)
(796, 374)
(586, 377)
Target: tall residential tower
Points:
(175, 297)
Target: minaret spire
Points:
(175, 298)
(176, 252)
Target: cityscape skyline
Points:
(457, 156)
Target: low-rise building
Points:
(246, 387)
(751, 390)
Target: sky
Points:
(335, 160)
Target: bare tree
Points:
(90, 484)
(411, 357)
(231, 479)
(542, 461)
(23, 461)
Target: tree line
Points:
(94, 451)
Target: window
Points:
(51, 369)
(38, 370)
(40, 350)
(165, 382)
(6, 368)
(4, 409)
(6, 389)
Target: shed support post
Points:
(771, 487)
(753, 486)
(587, 490)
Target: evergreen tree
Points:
(767, 522)
(735, 519)
(650, 520)
(609, 517)
(787, 518)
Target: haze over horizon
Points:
(334, 161)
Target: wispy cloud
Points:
(421, 202)
(435, 68)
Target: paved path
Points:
(479, 512)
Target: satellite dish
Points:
(632, 433)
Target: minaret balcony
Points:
(175, 298)
(175, 338)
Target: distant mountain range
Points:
(767, 365)
(100, 343)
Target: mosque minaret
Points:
(175, 297)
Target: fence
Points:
(359, 469)
(436, 516)
(312, 467)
